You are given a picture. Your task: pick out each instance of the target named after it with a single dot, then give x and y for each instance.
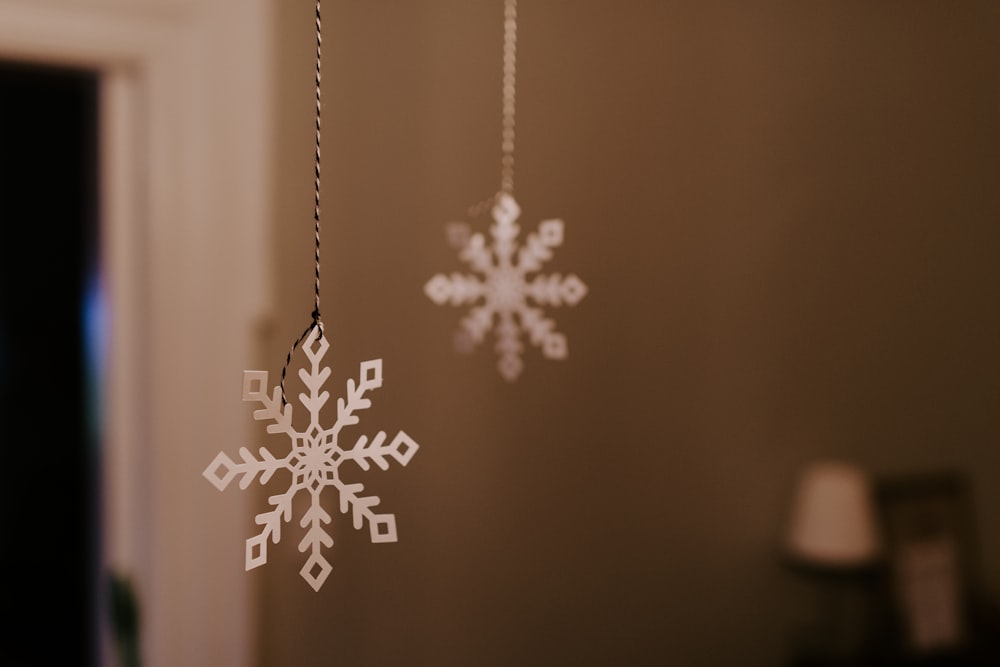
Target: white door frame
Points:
(185, 148)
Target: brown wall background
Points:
(786, 214)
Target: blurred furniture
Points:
(936, 610)
(897, 561)
(833, 539)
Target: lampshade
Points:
(833, 521)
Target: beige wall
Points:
(787, 217)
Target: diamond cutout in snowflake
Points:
(314, 461)
(499, 300)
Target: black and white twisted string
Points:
(317, 321)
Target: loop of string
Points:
(317, 321)
(507, 116)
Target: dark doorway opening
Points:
(49, 443)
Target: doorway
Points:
(49, 337)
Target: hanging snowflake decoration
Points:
(502, 298)
(315, 461)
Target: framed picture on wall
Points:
(931, 553)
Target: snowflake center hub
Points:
(507, 289)
(314, 457)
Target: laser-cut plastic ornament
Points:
(507, 299)
(315, 461)
(317, 457)
(506, 293)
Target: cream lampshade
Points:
(833, 521)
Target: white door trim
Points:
(185, 147)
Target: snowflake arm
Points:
(555, 290)
(542, 333)
(314, 379)
(281, 416)
(256, 546)
(316, 568)
(476, 254)
(249, 469)
(538, 246)
(370, 377)
(254, 389)
(456, 289)
(477, 322)
(402, 448)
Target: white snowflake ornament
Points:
(504, 298)
(315, 461)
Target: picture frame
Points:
(931, 558)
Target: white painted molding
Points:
(185, 170)
(78, 35)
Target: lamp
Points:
(833, 536)
(833, 524)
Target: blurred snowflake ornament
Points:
(504, 298)
(315, 461)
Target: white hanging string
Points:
(507, 115)
(509, 78)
